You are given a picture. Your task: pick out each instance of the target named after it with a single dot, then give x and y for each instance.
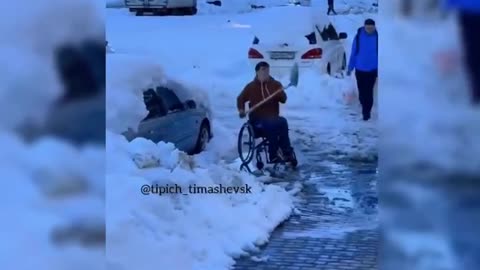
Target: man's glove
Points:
(242, 114)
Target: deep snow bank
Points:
(55, 205)
(195, 231)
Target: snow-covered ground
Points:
(428, 122)
(52, 204)
(209, 53)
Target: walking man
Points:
(364, 59)
(469, 21)
(331, 8)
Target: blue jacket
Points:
(464, 5)
(367, 57)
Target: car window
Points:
(332, 32)
(153, 104)
(328, 32)
(322, 32)
(170, 99)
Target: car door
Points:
(179, 118)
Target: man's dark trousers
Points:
(276, 132)
(365, 83)
(470, 24)
(330, 7)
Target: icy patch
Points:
(260, 259)
(333, 228)
(340, 199)
(127, 78)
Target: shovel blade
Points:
(294, 73)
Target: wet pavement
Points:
(335, 223)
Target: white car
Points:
(310, 40)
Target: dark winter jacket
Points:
(255, 92)
(365, 56)
(330, 2)
(464, 5)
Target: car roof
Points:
(179, 89)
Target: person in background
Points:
(331, 8)
(364, 59)
(469, 22)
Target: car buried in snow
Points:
(187, 124)
(310, 40)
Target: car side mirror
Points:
(190, 104)
(342, 35)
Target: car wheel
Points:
(344, 62)
(329, 69)
(139, 13)
(203, 138)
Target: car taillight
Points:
(254, 54)
(313, 54)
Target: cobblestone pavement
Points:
(336, 225)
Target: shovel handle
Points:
(265, 100)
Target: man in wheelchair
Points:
(266, 118)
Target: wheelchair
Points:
(248, 149)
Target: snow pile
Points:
(192, 231)
(293, 33)
(127, 78)
(356, 7)
(52, 210)
(29, 52)
(314, 91)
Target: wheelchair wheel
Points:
(246, 143)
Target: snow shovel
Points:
(293, 82)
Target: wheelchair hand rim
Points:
(251, 144)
